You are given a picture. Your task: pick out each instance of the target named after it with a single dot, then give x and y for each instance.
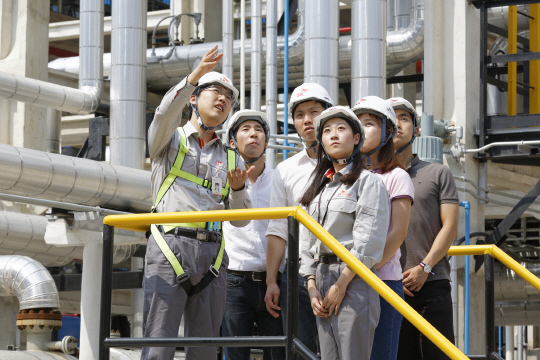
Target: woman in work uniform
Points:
(352, 205)
(185, 263)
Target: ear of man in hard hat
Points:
(290, 179)
(185, 264)
(248, 132)
(432, 229)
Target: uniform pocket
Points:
(344, 210)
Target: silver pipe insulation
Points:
(84, 100)
(321, 45)
(24, 234)
(128, 83)
(256, 52)
(390, 15)
(402, 14)
(498, 16)
(74, 180)
(404, 46)
(29, 281)
(54, 127)
(271, 76)
(368, 37)
(228, 38)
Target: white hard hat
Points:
(308, 92)
(339, 112)
(245, 115)
(213, 77)
(402, 104)
(379, 107)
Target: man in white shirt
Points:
(288, 186)
(248, 132)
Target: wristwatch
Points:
(427, 268)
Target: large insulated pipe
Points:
(256, 51)
(84, 100)
(29, 281)
(54, 126)
(322, 44)
(128, 83)
(368, 58)
(228, 38)
(406, 45)
(24, 234)
(509, 287)
(271, 75)
(74, 180)
(402, 14)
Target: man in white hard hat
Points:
(248, 132)
(288, 186)
(432, 229)
(185, 263)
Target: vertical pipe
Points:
(483, 75)
(368, 44)
(519, 343)
(426, 125)
(54, 128)
(490, 305)
(128, 83)
(242, 54)
(509, 342)
(227, 44)
(271, 75)
(228, 39)
(90, 304)
(467, 207)
(292, 285)
(256, 39)
(106, 290)
(534, 65)
(512, 66)
(321, 47)
(500, 341)
(286, 77)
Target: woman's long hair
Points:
(386, 158)
(319, 180)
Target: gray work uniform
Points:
(357, 216)
(165, 301)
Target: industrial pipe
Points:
(271, 76)
(84, 100)
(368, 55)
(63, 178)
(228, 38)
(467, 206)
(286, 75)
(404, 46)
(256, 51)
(322, 44)
(29, 281)
(128, 83)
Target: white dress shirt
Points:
(246, 246)
(289, 184)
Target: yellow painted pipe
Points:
(512, 66)
(378, 285)
(534, 65)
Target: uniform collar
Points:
(304, 153)
(332, 175)
(189, 129)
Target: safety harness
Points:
(182, 277)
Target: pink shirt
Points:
(398, 185)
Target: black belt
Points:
(328, 259)
(209, 236)
(252, 275)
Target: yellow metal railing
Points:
(141, 222)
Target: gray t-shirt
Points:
(433, 186)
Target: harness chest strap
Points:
(182, 277)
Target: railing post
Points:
(292, 286)
(106, 291)
(490, 305)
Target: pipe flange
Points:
(41, 318)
